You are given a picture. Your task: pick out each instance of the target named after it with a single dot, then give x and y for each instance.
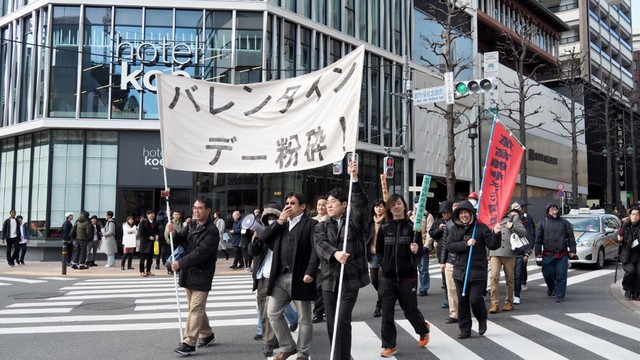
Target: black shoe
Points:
(423, 293)
(318, 319)
(551, 292)
(122, 267)
(451, 320)
(267, 350)
(204, 342)
(93, 263)
(74, 266)
(636, 296)
(293, 327)
(482, 327)
(169, 272)
(629, 295)
(233, 267)
(464, 335)
(559, 300)
(157, 266)
(130, 268)
(377, 312)
(185, 350)
(257, 337)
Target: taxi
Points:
(596, 236)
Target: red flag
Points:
(500, 172)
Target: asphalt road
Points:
(109, 313)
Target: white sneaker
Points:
(516, 300)
(524, 287)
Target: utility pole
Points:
(406, 85)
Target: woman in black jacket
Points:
(460, 240)
(376, 220)
(399, 253)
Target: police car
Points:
(596, 236)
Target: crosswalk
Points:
(8, 281)
(150, 304)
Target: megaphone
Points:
(249, 223)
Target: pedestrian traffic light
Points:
(476, 86)
(388, 167)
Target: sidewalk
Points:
(54, 268)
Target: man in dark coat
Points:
(148, 232)
(293, 270)
(11, 235)
(555, 244)
(329, 242)
(200, 240)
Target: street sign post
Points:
(448, 88)
(429, 95)
(560, 186)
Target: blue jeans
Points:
(555, 273)
(423, 268)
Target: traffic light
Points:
(388, 167)
(476, 86)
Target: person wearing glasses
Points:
(200, 240)
(293, 271)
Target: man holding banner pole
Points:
(329, 239)
(200, 240)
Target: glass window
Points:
(305, 8)
(375, 100)
(38, 208)
(375, 22)
(363, 123)
(249, 47)
(321, 11)
(398, 106)
(289, 49)
(127, 36)
(158, 28)
(335, 51)
(27, 78)
(363, 20)
(336, 14)
(397, 28)
(189, 25)
(100, 172)
(66, 175)
(217, 61)
(64, 61)
(7, 165)
(386, 118)
(23, 172)
(305, 53)
(350, 13)
(4, 70)
(42, 41)
(94, 96)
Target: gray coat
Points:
(505, 247)
(109, 244)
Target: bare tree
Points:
(456, 25)
(515, 50)
(569, 77)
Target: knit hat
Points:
(549, 206)
(271, 208)
(68, 214)
(515, 207)
(473, 195)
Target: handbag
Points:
(225, 237)
(156, 247)
(518, 242)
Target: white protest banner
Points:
(284, 125)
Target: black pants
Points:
(148, 259)
(631, 277)
(318, 305)
(238, 260)
(80, 252)
(405, 293)
(473, 300)
(343, 337)
(23, 252)
(12, 256)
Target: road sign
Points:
(448, 88)
(429, 95)
(561, 194)
(560, 186)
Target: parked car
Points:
(596, 236)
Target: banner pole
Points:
(344, 248)
(473, 233)
(175, 273)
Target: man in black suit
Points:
(11, 235)
(293, 269)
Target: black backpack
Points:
(119, 232)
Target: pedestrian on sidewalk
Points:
(25, 235)
(377, 219)
(11, 236)
(399, 253)
(109, 245)
(197, 267)
(67, 226)
(630, 254)
(129, 235)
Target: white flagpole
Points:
(344, 248)
(175, 273)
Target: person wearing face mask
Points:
(263, 257)
(329, 241)
(399, 251)
(460, 239)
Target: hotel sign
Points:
(149, 53)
